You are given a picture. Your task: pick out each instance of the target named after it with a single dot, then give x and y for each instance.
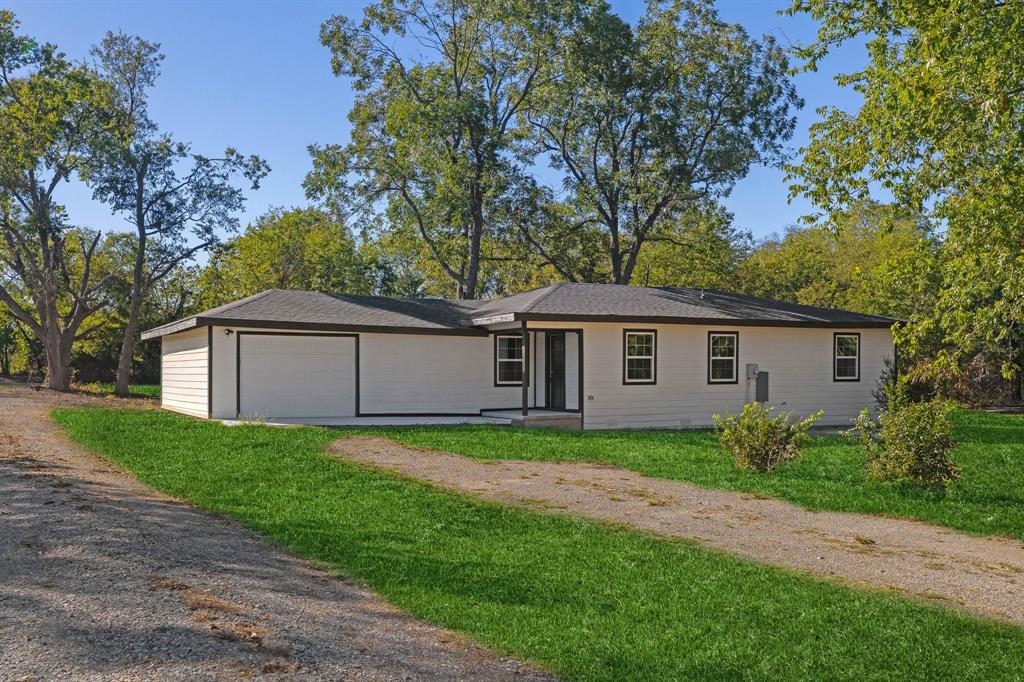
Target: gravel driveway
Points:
(103, 579)
(979, 574)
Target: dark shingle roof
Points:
(312, 310)
(586, 302)
(625, 303)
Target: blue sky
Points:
(254, 75)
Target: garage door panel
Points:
(295, 376)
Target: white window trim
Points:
(836, 357)
(734, 357)
(653, 357)
(498, 360)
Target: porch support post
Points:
(526, 370)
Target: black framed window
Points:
(508, 359)
(639, 356)
(846, 357)
(723, 357)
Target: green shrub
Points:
(910, 442)
(761, 441)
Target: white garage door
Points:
(288, 376)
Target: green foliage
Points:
(179, 202)
(53, 115)
(940, 126)
(702, 249)
(176, 295)
(649, 126)
(590, 601)
(873, 258)
(298, 248)
(911, 441)
(761, 441)
(429, 162)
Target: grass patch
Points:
(102, 388)
(591, 601)
(830, 475)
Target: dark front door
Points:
(555, 364)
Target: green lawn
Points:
(989, 498)
(591, 601)
(142, 390)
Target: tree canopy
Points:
(942, 128)
(299, 248)
(653, 124)
(53, 114)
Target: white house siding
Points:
(430, 374)
(798, 360)
(183, 372)
(398, 374)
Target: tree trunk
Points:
(124, 360)
(468, 287)
(58, 362)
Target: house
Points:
(593, 356)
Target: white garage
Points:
(287, 376)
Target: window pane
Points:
(722, 370)
(846, 368)
(723, 346)
(510, 372)
(510, 348)
(639, 344)
(639, 369)
(846, 346)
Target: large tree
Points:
(299, 248)
(941, 127)
(179, 202)
(52, 114)
(653, 123)
(439, 87)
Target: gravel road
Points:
(103, 579)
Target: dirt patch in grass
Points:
(982, 575)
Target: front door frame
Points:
(550, 379)
(579, 364)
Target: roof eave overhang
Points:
(197, 322)
(172, 328)
(880, 323)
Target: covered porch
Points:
(552, 378)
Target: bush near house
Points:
(762, 441)
(911, 442)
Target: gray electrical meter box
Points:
(762, 387)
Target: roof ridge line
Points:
(547, 293)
